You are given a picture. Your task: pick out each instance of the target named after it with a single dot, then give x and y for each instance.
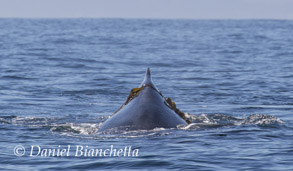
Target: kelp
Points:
(168, 101)
(133, 93)
(172, 105)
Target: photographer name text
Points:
(76, 151)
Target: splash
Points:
(90, 130)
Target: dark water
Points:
(59, 79)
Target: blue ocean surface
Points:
(61, 78)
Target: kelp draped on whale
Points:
(145, 109)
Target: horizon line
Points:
(146, 18)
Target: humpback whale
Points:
(145, 109)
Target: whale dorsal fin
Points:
(147, 81)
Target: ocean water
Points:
(61, 78)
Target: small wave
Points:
(82, 128)
(66, 126)
(15, 77)
(261, 119)
(207, 121)
(30, 121)
(213, 119)
(117, 133)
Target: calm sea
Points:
(60, 79)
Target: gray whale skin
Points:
(145, 109)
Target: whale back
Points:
(145, 109)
